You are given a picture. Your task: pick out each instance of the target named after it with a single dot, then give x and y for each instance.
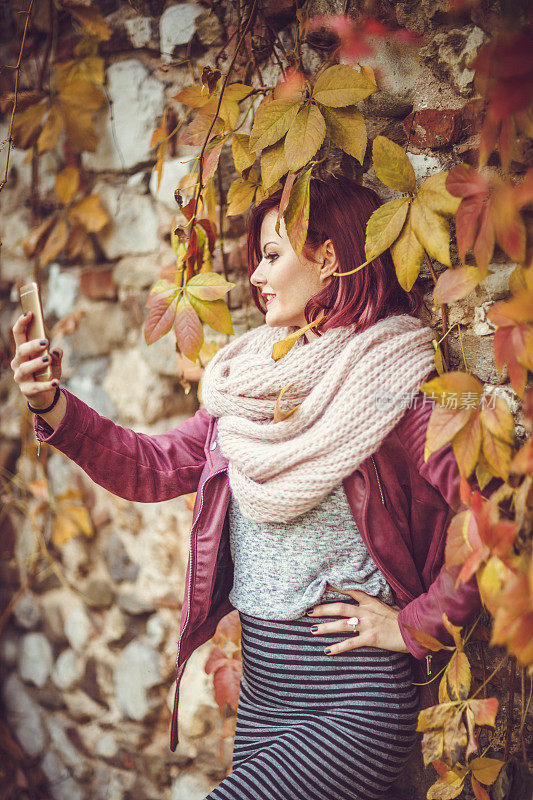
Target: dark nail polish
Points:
(327, 650)
(43, 341)
(55, 383)
(46, 358)
(314, 628)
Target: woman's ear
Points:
(330, 262)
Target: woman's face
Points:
(286, 281)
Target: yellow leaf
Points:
(432, 231)
(497, 454)
(273, 164)
(272, 121)
(51, 129)
(384, 226)
(407, 253)
(346, 128)
(458, 677)
(304, 137)
(37, 236)
(432, 744)
(27, 124)
(71, 518)
(67, 183)
(55, 243)
(434, 194)
(243, 157)
(282, 347)
(240, 196)
(447, 787)
(214, 313)
(486, 770)
(90, 213)
(82, 93)
(341, 85)
(208, 286)
(498, 420)
(92, 19)
(280, 415)
(296, 215)
(444, 424)
(467, 444)
(454, 389)
(455, 739)
(194, 96)
(79, 127)
(392, 166)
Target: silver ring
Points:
(353, 622)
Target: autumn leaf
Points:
(273, 164)
(92, 20)
(194, 96)
(228, 629)
(162, 301)
(281, 348)
(407, 254)
(214, 313)
(447, 787)
(208, 286)
(37, 236)
(243, 157)
(67, 183)
(83, 94)
(280, 415)
(227, 674)
(455, 283)
(27, 125)
(486, 770)
(434, 194)
(384, 226)
(347, 129)
(241, 194)
(51, 130)
(79, 127)
(188, 329)
(458, 677)
(426, 640)
(71, 517)
(341, 85)
(392, 165)
(432, 231)
(296, 214)
(271, 122)
(54, 243)
(304, 136)
(90, 213)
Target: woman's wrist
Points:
(54, 417)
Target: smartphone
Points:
(30, 301)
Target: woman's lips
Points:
(269, 299)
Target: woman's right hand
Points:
(30, 357)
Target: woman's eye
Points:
(271, 256)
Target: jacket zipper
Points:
(187, 596)
(428, 664)
(379, 482)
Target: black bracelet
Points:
(50, 407)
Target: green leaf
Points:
(392, 166)
(188, 329)
(346, 128)
(304, 137)
(432, 231)
(208, 286)
(273, 164)
(214, 313)
(342, 85)
(384, 226)
(243, 157)
(296, 214)
(272, 121)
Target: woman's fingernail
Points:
(312, 611)
(327, 650)
(43, 341)
(55, 383)
(314, 628)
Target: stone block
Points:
(133, 230)
(177, 27)
(35, 658)
(136, 672)
(24, 716)
(137, 99)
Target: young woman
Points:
(325, 530)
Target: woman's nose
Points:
(257, 278)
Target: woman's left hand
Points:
(377, 627)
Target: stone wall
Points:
(87, 656)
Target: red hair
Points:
(339, 210)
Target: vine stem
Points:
(510, 708)
(444, 312)
(215, 115)
(15, 93)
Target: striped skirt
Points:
(317, 727)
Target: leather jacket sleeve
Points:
(461, 604)
(132, 465)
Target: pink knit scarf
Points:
(342, 379)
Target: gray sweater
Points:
(281, 568)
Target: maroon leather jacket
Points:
(402, 506)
